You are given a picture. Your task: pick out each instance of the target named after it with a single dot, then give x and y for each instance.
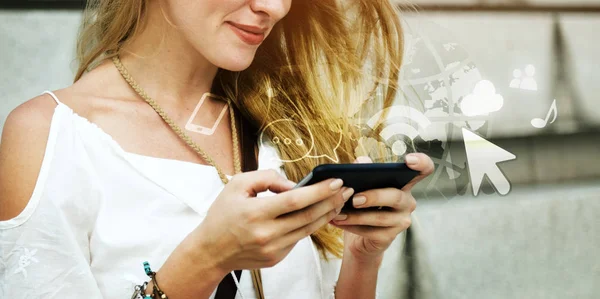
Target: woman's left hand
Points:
(367, 234)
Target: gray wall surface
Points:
(538, 243)
(37, 50)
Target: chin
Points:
(235, 62)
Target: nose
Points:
(276, 9)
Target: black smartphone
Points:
(362, 177)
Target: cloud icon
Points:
(483, 100)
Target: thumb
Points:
(363, 160)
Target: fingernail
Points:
(336, 185)
(341, 217)
(363, 159)
(347, 193)
(411, 160)
(359, 200)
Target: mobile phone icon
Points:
(206, 124)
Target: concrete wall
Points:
(36, 54)
(538, 243)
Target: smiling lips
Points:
(251, 35)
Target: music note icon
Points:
(542, 123)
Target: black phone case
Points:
(362, 177)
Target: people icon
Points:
(516, 82)
(450, 46)
(526, 82)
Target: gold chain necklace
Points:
(237, 164)
(236, 154)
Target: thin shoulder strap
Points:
(53, 96)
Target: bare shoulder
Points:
(22, 149)
(26, 130)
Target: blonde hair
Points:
(317, 68)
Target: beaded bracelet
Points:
(140, 290)
(155, 288)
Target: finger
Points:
(421, 163)
(274, 254)
(255, 182)
(305, 231)
(304, 217)
(379, 218)
(386, 197)
(300, 198)
(363, 160)
(383, 234)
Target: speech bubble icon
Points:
(269, 137)
(327, 151)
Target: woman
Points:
(115, 170)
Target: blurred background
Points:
(506, 94)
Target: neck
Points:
(165, 65)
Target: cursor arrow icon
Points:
(482, 157)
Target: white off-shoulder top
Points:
(98, 212)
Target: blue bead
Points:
(147, 268)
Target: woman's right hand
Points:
(242, 231)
